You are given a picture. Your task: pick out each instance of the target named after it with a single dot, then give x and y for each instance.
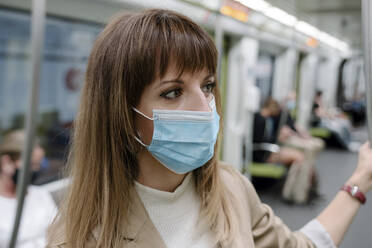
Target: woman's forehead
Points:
(175, 72)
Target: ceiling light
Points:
(257, 5)
(283, 17)
(307, 29)
(280, 16)
(332, 41)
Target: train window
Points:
(66, 50)
(265, 73)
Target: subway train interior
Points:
(294, 82)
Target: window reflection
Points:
(66, 50)
(65, 54)
(265, 73)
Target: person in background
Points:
(273, 125)
(144, 162)
(333, 120)
(298, 138)
(266, 130)
(318, 111)
(39, 207)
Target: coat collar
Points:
(140, 229)
(138, 217)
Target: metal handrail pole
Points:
(218, 38)
(367, 51)
(37, 43)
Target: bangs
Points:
(167, 39)
(150, 43)
(182, 45)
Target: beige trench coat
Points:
(258, 226)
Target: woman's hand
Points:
(362, 177)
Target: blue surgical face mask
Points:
(291, 104)
(183, 140)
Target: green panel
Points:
(267, 170)
(320, 132)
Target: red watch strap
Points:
(355, 192)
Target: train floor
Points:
(334, 167)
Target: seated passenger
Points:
(294, 136)
(291, 135)
(272, 125)
(266, 130)
(39, 207)
(333, 120)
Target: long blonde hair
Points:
(128, 55)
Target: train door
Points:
(327, 78)
(353, 81)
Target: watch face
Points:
(354, 190)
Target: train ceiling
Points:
(340, 18)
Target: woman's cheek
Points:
(149, 130)
(146, 128)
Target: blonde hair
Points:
(128, 55)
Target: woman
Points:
(143, 165)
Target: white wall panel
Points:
(284, 74)
(242, 99)
(308, 72)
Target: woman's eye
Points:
(172, 94)
(209, 87)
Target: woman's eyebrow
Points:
(209, 76)
(179, 81)
(176, 80)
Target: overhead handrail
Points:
(367, 52)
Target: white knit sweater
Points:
(176, 215)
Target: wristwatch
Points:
(355, 192)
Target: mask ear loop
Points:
(212, 103)
(139, 112)
(139, 141)
(151, 119)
